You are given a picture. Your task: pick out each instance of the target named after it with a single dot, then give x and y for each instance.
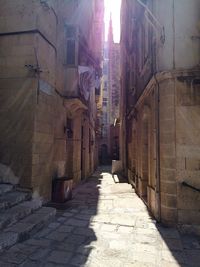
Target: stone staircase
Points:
(20, 215)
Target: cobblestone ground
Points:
(105, 224)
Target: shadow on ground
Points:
(105, 224)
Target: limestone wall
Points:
(33, 81)
(23, 16)
(18, 88)
(181, 34)
(29, 141)
(142, 156)
(188, 149)
(77, 148)
(171, 107)
(167, 133)
(179, 149)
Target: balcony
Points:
(79, 82)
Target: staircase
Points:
(20, 215)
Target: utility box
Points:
(62, 189)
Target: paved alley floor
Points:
(106, 224)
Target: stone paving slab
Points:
(4, 188)
(15, 213)
(105, 224)
(12, 198)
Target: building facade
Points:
(160, 110)
(50, 67)
(113, 75)
(103, 111)
(109, 101)
(114, 92)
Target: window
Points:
(145, 44)
(105, 69)
(105, 100)
(105, 86)
(105, 117)
(104, 103)
(72, 46)
(71, 50)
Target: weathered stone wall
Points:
(187, 90)
(132, 151)
(77, 122)
(179, 149)
(146, 168)
(43, 146)
(49, 145)
(29, 138)
(24, 16)
(178, 111)
(60, 138)
(167, 137)
(142, 150)
(180, 49)
(167, 128)
(17, 98)
(33, 85)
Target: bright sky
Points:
(113, 7)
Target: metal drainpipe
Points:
(157, 101)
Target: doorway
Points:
(103, 157)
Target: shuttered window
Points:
(71, 52)
(72, 45)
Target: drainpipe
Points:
(157, 117)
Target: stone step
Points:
(11, 216)
(26, 227)
(5, 188)
(12, 198)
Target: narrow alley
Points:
(100, 133)
(105, 224)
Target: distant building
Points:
(114, 92)
(109, 104)
(113, 75)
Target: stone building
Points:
(50, 63)
(109, 100)
(160, 110)
(104, 123)
(113, 75)
(114, 91)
